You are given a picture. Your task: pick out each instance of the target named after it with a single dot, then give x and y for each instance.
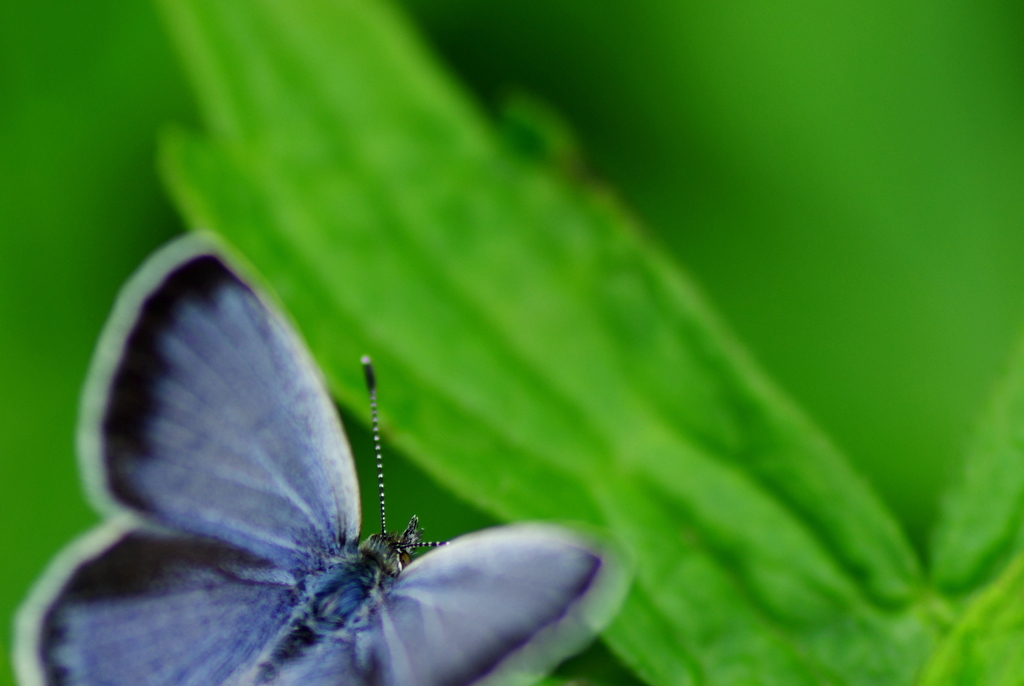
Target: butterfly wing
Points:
(138, 608)
(205, 414)
(504, 605)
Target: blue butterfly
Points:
(231, 551)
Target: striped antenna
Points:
(371, 386)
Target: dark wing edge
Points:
(107, 357)
(581, 622)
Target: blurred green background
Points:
(844, 180)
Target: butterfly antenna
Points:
(371, 386)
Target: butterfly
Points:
(230, 554)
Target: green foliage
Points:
(843, 178)
(538, 356)
(82, 91)
(541, 358)
(978, 542)
(983, 522)
(985, 647)
(6, 676)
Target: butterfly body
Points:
(231, 554)
(344, 589)
(338, 601)
(345, 594)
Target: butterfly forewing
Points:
(215, 421)
(208, 431)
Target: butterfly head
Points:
(392, 552)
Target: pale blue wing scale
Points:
(213, 420)
(503, 603)
(158, 610)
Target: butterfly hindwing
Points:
(140, 607)
(206, 415)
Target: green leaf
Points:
(595, 666)
(6, 675)
(111, 69)
(981, 525)
(985, 646)
(540, 358)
